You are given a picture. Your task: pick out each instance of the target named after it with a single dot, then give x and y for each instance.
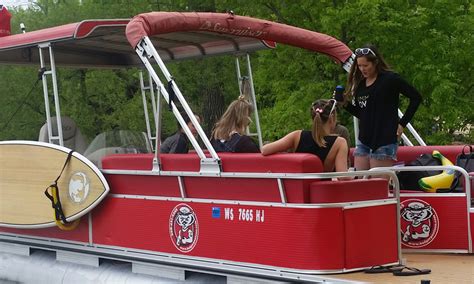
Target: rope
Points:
(25, 99)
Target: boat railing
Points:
(335, 177)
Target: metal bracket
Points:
(347, 65)
(145, 49)
(210, 166)
(156, 165)
(44, 45)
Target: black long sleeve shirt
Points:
(376, 106)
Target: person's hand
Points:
(400, 131)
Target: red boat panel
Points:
(434, 222)
(79, 234)
(265, 190)
(298, 238)
(348, 190)
(144, 185)
(368, 224)
(154, 23)
(471, 214)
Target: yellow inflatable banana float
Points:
(443, 180)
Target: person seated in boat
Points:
(228, 134)
(343, 132)
(178, 143)
(330, 148)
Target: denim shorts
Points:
(387, 152)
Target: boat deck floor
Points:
(445, 268)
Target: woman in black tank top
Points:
(331, 149)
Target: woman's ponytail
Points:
(317, 129)
(320, 112)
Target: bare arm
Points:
(341, 155)
(286, 143)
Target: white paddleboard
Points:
(27, 168)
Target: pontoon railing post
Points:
(145, 50)
(51, 72)
(157, 116)
(356, 129)
(56, 96)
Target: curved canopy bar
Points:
(234, 28)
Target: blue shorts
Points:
(387, 152)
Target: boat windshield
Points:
(117, 142)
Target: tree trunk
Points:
(213, 107)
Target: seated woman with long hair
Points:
(228, 134)
(331, 149)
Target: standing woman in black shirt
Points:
(373, 97)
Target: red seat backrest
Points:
(348, 190)
(410, 153)
(253, 189)
(407, 154)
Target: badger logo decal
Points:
(184, 228)
(419, 223)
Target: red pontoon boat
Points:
(277, 217)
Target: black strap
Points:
(58, 210)
(171, 93)
(229, 145)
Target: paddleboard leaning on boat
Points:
(278, 217)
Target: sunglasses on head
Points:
(364, 51)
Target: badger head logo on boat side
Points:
(419, 223)
(184, 228)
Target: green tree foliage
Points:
(427, 42)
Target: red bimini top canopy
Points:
(102, 43)
(98, 43)
(232, 29)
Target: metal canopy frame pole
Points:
(44, 78)
(146, 50)
(253, 100)
(144, 90)
(157, 116)
(239, 76)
